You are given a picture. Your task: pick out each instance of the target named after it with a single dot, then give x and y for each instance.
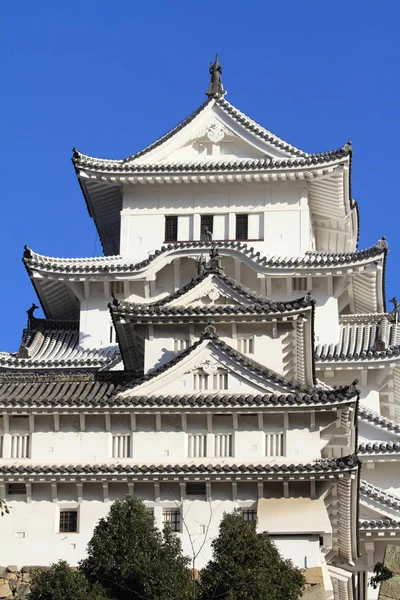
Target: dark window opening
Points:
(206, 224)
(173, 518)
(68, 521)
(242, 227)
(171, 229)
(14, 489)
(249, 514)
(196, 489)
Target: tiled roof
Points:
(321, 466)
(250, 125)
(379, 524)
(378, 447)
(379, 495)
(365, 414)
(116, 264)
(364, 337)
(48, 348)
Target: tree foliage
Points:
(133, 559)
(246, 565)
(60, 582)
(4, 508)
(381, 573)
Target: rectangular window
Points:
(20, 446)
(223, 446)
(171, 229)
(195, 489)
(242, 227)
(274, 444)
(249, 514)
(206, 224)
(173, 517)
(180, 345)
(112, 339)
(16, 489)
(121, 445)
(68, 521)
(300, 284)
(217, 381)
(245, 345)
(197, 445)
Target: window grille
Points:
(300, 284)
(20, 446)
(171, 229)
(121, 445)
(206, 223)
(249, 514)
(274, 444)
(223, 445)
(180, 345)
(215, 381)
(16, 489)
(68, 521)
(197, 445)
(242, 227)
(245, 345)
(117, 287)
(173, 518)
(196, 489)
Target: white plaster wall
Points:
(94, 325)
(385, 475)
(303, 550)
(278, 212)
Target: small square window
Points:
(249, 514)
(173, 518)
(68, 521)
(206, 224)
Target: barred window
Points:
(16, 489)
(206, 223)
(171, 229)
(274, 445)
(245, 345)
(173, 518)
(117, 287)
(180, 345)
(300, 284)
(196, 489)
(242, 227)
(68, 521)
(249, 514)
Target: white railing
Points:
(197, 445)
(223, 445)
(274, 444)
(20, 445)
(121, 445)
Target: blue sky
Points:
(109, 78)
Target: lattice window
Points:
(274, 444)
(121, 445)
(173, 517)
(195, 489)
(68, 521)
(206, 223)
(20, 446)
(197, 445)
(171, 229)
(300, 284)
(223, 445)
(249, 514)
(180, 345)
(245, 345)
(242, 227)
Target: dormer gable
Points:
(212, 366)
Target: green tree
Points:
(60, 582)
(3, 508)
(133, 559)
(246, 565)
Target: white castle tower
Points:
(231, 349)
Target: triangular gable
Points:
(211, 366)
(216, 131)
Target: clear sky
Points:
(110, 77)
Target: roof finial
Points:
(216, 88)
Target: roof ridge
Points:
(378, 419)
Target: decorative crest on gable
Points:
(215, 131)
